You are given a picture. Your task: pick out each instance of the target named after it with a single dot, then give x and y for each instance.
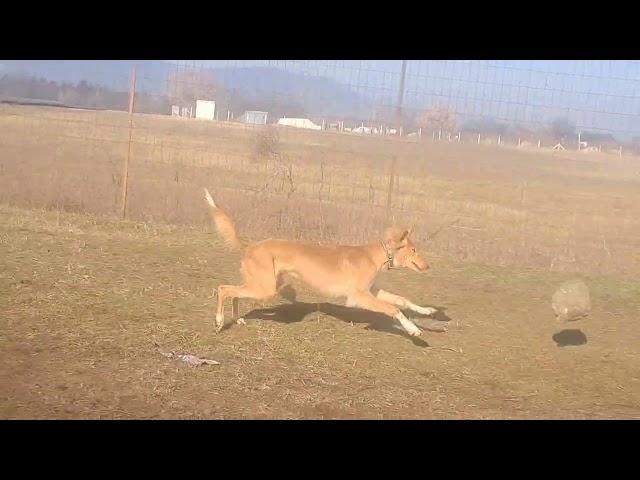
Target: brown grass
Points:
(85, 298)
(85, 295)
(513, 207)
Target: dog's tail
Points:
(224, 225)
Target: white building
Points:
(206, 109)
(299, 123)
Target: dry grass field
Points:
(87, 296)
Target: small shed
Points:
(255, 117)
(206, 109)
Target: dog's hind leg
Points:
(285, 288)
(234, 292)
(402, 302)
(235, 310)
(259, 284)
(367, 301)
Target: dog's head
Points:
(403, 250)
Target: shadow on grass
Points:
(570, 338)
(297, 311)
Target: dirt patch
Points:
(86, 299)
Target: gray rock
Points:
(571, 301)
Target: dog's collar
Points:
(389, 256)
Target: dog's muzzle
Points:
(422, 266)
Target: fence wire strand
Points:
(528, 162)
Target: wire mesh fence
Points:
(521, 162)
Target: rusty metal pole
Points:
(394, 159)
(125, 180)
(401, 97)
(392, 183)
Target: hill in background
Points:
(314, 95)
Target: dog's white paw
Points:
(219, 322)
(426, 310)
(414, 331)
(241, 321)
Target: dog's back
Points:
(329, 269)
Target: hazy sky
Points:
(594, 94)
(602, 94)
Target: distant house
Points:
(205, 109)
(253, 117)
(362, 129)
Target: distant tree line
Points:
(82, 94)
(184, 87)
(181, 88)
(561, 129)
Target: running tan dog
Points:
(332, 270)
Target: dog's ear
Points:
(408, 231)
(396, 236)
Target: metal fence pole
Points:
(125, 180)
(401, 97)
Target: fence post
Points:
(401, 99)
(392, 178)
(125, 181)
(525, 217)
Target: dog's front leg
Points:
(235, 311)
(367, 301)
(402, 302)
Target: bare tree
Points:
(561, 128)
(190, 84)
(437, 118)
